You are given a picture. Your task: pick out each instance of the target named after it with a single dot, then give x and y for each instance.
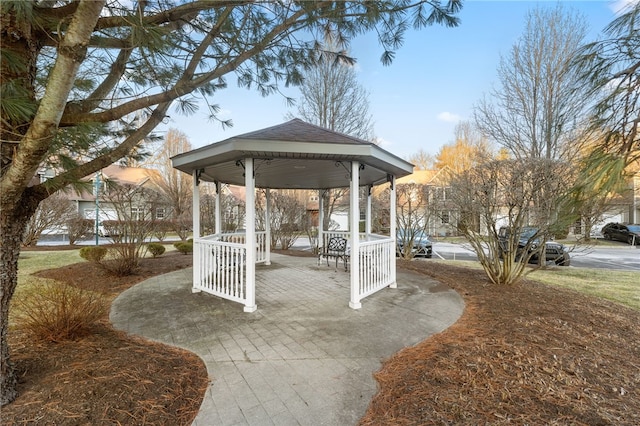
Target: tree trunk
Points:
(12, 226)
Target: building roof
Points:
(293, 155)
(127, 175)
(420, 177)
(118, 174)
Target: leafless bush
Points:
(511, 193)
(53, 212)
(78, 227)
(287, 214)
(123, 258)
(56, 312)
(135, 206)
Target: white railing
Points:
(327, 235)
(219, 268)
(377, 265)
(220, 264)
(377, 261)
(240, 238)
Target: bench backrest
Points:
(337, 245)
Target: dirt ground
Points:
(530, 354)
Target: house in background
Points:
(430, 196)
(621, 208)
(103, 195)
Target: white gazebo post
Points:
(250, 237)
(218, 213)
(320, 218)
(392, 226)
(267, 227)
(195, 219)
(368, 212)
(354, 225)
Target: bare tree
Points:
(502, 194)
(287, 215)
(422, 160)
(54, 212)
(539, 103)
(176, 187)
(413, 213)
(333, 98)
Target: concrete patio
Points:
(304, 357)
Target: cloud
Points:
(448, 117)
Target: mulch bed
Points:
(528, 354)
(107, 377)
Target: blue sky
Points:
(434, 81)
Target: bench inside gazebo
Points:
(292, 155)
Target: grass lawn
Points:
(618, 286)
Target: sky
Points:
(434, 81)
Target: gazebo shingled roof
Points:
(293, 155)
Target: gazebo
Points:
(292, 155)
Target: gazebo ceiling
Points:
(293, 155)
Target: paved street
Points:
(624, 257)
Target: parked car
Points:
(554, 252)
(629, 234)
(422, 246)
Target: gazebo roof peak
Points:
(297, 130)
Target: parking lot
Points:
(622, 256)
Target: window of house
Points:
(137, 213)
(444, 216)
(160, 213)
(577, 227)
(363, 215)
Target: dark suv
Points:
(629, 234)
(554, 252)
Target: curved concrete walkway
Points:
(304, 357)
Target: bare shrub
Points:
(78, 227)
(512, 194)
(134, 206)
(56, 311)
(51, 214)
(160, 228)
(123, 258)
